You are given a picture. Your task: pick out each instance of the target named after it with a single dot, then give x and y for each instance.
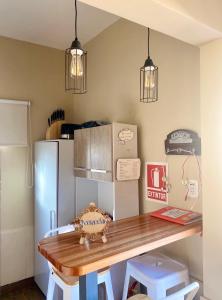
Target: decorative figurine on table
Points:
(92, 224)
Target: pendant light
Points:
(148, 79)
(75, 65)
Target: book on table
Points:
(177, 215)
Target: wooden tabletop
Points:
(126, 238)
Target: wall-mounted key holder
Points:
(183, 142)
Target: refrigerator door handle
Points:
(52, 219)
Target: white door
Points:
(46, 183)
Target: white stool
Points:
(70, 284)
(157, 273)
(190, 291)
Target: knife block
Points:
(54, 131)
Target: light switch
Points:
(193, 188)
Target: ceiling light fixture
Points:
(75, 65)
(148, 79)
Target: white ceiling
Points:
(205, 11)
(192, 21)
(51, 22)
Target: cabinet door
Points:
(82, 153)
(101, 153)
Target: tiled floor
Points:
(29, 293)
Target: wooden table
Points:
(126, 238)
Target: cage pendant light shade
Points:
(76, 65)
(148, 80)
(76, 70)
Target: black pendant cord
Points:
(148, 42)
(75, 18)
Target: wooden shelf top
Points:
(126, 238)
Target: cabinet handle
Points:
(100, 171)
(81, 169)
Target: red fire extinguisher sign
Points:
(156, 182)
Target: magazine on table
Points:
(177, 215)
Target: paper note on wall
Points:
(128, 169)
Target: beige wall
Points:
(211, 119)
(32, 73)
(114, 59)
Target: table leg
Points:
(88, 287)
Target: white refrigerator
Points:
(54, 195)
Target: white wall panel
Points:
(13, 122)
